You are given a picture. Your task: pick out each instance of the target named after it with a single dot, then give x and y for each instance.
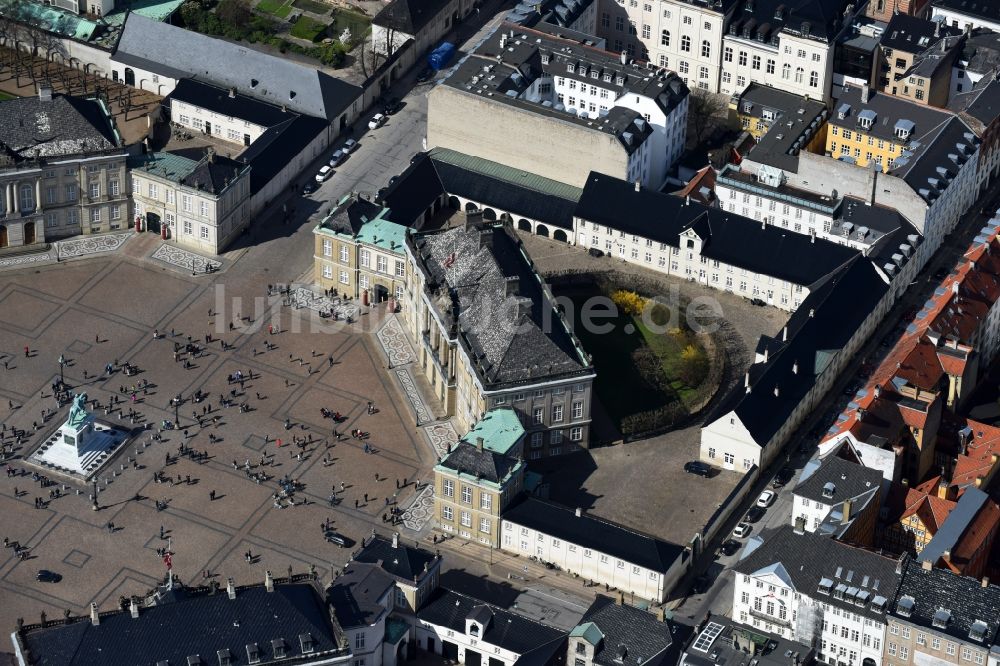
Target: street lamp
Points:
(62, 362)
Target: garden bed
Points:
(308, 28)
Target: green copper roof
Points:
(158, 10)
(171, 166)
(46, 17)
(509, 174)
(500, 429)
(588, 631)
(383, 233)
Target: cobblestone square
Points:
(103, 308)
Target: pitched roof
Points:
(33, 128)
(500, 428)
(960, 524)
(469, 273)
(727, 237)
(817, 331)
(595, 533)
(409, 16)
(846, 480)
(495, 467)
(147, 43)
(911, 33)
(211, 174)
(966, 599)
(355, 594)
(506, 630)
(807, 559)
(193, 624)
(815, 19)
(402, 561)
(984, 9)
(239, 105)
(277, 147)
(646, 639)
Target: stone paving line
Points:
(70, 249)
(176, 256)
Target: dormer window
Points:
(278, 648)
(607, 77)
(905, 606)
(749, 5)
(307, 643)
(225, 658)
(473, 629)
(978, 630)
(594, 74)
(545, 58)
(828, 489)
(570, 67)
(253, 653)
(747, 107)
(825, 586)
(620, 80)
(941, 618)
(779, 13)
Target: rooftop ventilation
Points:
(828, 489)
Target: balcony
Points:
(760, 615)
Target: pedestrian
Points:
(26, 350)
(355, 503)
(211, 496)
(161, 526)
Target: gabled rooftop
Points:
(971, 608)
(608, 626)
(52, 126)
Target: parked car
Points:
(377, 121)
(783, 476)
(754, 514)
(350, 146)
(594, 252)
(730, 546)
(766, 498)
(392, 105)
(308, 188)
(699, 468)
(46, 576)
(742, 530)
(701, 584)
(337, 157)
(324, 173)
(335, 538)
(425, 75)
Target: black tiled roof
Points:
(355, 594)
(912, 34)
(805, 559)
(466, 458)
(817, 330)
(595, 533)
(348, 217)
(31, 128)
(980, 106)
(402, 561)
(193, 625)
(647, 640)
(728, 238)
(239, 105)
(818, 19)
(985, 9)
(849, 480)
(506, 630)
(278, 146)
(414, 191)
(966, 599)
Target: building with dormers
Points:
(838, 498)
(611, 631)
(572, 106)
(817, 591)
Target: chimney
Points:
(95, 617)
(812, 235)
(784, 334)
(210, 153)
(513, 283)
(134, 609)
(486, 238)
(479, 444)
(230, 588)
(746, 381)
(776, 392)
(638, 186)
(865, 93)
(926, 565)
(812, 313)
(395, 539)
(523, 307)
(795, 367)
(45, 93)
(871, 201)
(846, 517)
(268, 581)
(986, 581)
(878, 390)
(800, 525)
(578, 512)
(687, 200)
(943, 489)
(232, 93)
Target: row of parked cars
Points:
(390, 107)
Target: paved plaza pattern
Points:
(181, 258)
(105, 309)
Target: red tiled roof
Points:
(982, 528)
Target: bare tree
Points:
(704, 111)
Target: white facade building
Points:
(959, 14)
(593, 549)
(808, 587)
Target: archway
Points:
(129, 77)
(454, 203)
(542, 230)
(471, 207)
(3, 236)
(152, 222)
(489, 214)
(560, 235)
(523, 225)
(29, 233)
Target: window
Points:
(706, 49)
(729, 458)
(687, 20)
(170, 196)
(727, 54)
(786, 70)
(95, 190)
(813, 79)
(328, 271)
(536, 415)
(447, 513)
(682, 67)
(743, 59)
(113, 187)
(95, 215)
(576, 434)
(755, 62)
(381, 264)
(557, 413)
(400, 269)
(344, 254)
(665, 38)
(619, 26)
(485, 501)
(27, 198)
(359, 640)
(327, 247)
(448, 488)
(646, 30)
(204, 208)
(485, 525)
(466, 495)
(685, 43)
(116, 212)
(204, 232)
(186, 203)
(366, 258)
(605, 20)
(466, 519)
(799, 72)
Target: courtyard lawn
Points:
(312, 6)
(308, 28)
(6, 96)
(279, 8)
